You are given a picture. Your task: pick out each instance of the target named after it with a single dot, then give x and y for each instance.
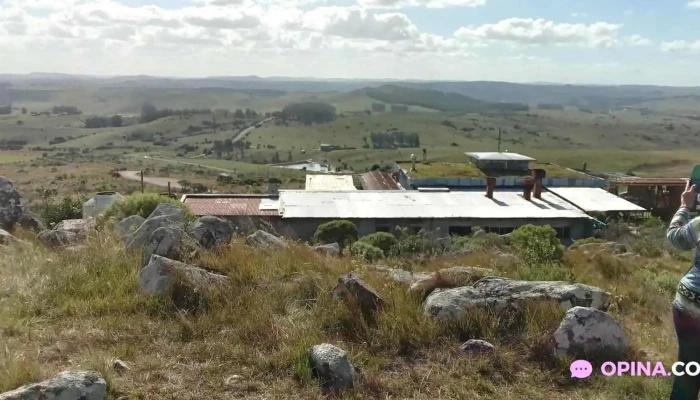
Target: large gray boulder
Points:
(589, 331)
(493, 293)
(332, 249)
(80, 385)
(80, 226)
(331, 366)
(352, 288)
(262, 238)
(212, 232)
(450, 278)
(163, 215)
(161, 275)
(11, 204)
(129, 225)
(59, 238)
(166, 241)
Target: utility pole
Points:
(499, 140)
(142, 181)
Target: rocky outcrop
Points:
(332, 249)
(59, 238)
(400, 276)
(164, 215)
(212, 232)
(475, 346)
(81, 385)
(167, 241)
(354, 290)
(497, 294)
(262, 238)
(162, 275)
(586, 331)
(129, 225)
(80, 226)
(449, 278)
(11, 204)
(332, 367)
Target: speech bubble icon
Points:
(581, 369)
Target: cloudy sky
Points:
(568, 41)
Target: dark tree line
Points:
(6, 110)
(309, 113)
(390, 140)
(115, 121)
(228, 146)
(150, 113)
(71, 110)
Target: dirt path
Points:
(136, 176)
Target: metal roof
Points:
(378, 180)
(415, 204)
(231, 205)
(494, 156)
(329, 182)
(594, 199)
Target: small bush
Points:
(141, 204)
(68, 208)
(580, 242)
(341, 231)
(383, 240)
(537, 244)
(367, 251)
(408, 244)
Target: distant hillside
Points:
(437, 100)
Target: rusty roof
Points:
(643, 181)
(226, 205)
(378, 180)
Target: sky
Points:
(565, 41)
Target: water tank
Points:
(93, 207)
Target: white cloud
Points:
(420, 3)
(543, 32)
(693, 4)
(356, 23)
(637, 40)
(681, 46)
(577, 15)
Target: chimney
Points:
(538, 175)
(527, 192)
(490, 185)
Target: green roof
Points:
(470, 170)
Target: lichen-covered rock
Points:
(331, 365)
(262, 238)
(80, 385)
(80, 226)
(450, 278)
(212, 232)
(475, 346)
(351, 288)
(497, 294)
(589, 331)
(163, 215)
(332, 249)
(59, 238)
(129, 225)
(11, 204)
(166, 241)
(398, 275)
(161, 275)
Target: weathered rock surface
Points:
(129, 225)
(332, 249)
(79, 226)
(475, 346)
(11, 204)
(161, 274)
(212, 232)
(166, 241)
(499, 293)
(450, 278)
(352, 288)
(81, 385)
(164, 209)
(163, 215)
(331, 365)
(262, 238)
(59, 238)
(400, 276)
(588, 331)
(31, 221)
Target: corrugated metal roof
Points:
(595, 199)
(415, 204)
(378, 180)
(494, 156)
(329, 182)
(229, 205)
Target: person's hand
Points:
(690, 195)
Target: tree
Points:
(218, 148)
(117, 121)
(239, 114)
(310, 112)
(24, 110)
(228, 146)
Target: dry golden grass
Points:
(80, 310)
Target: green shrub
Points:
(383, 240)
(486, 242)
(408, 244)
(339, 231)
(141, 204)
(580, 242)
(367, 251)
(68, 208)
(537, 244)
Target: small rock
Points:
(59, 238)
(161, 274)
(120, 366)
(450, 277)
(331, 365)
(81, 385)
(400, 276)
(212, 232)
(475, 346)
(233, 379)
(350, 287)
(332, 249)
(589, 331)
(129, 225)
(262, 238)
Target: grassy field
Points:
(82, 309)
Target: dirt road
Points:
(136, 176)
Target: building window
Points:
(563, 233)
(498, 230)
(460, 230)
(383, 229)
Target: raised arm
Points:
(682, 233)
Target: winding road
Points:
(163, 182)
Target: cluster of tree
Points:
(437, 100)
(549, 106)
(228, 146)
(115, 121)
(6, 110)
(247, 113)
(378, 107)
(399, 108)
(70, 110)
(12, 144)
(390, 140)
(139, 136)
(150, 113)
(309, 113)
